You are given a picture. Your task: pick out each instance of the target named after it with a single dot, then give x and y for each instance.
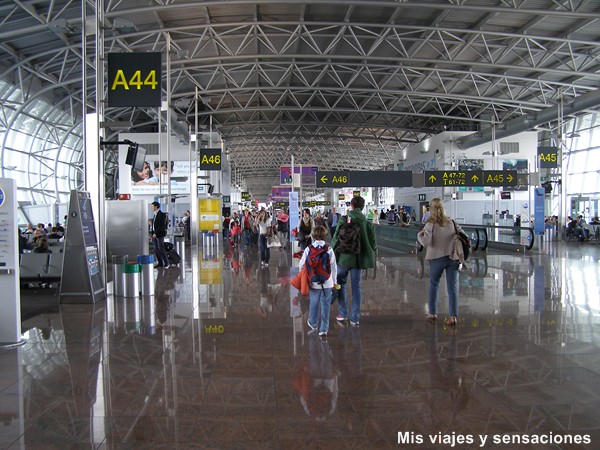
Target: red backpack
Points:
(318, 264)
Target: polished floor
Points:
(220, 358)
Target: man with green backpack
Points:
(354, 245)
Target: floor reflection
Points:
(220, 357)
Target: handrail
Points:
(510, 237)
(482, 236)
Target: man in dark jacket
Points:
(159, 231)
(354, 264)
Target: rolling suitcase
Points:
(173, 256)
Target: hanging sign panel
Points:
(305, 172)
(452, 178)
(365, 178)
(134, 79)
(210, 159)
(548, 157)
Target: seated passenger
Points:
(23, 243)
(60, 229)
(54, 234)
(37, 235)
(42, 246)
(575, 230)
(584, 226)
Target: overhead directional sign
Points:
(494, 178)
(451, 178)
(313, 203)
(134, 79)
(548, 157)
(366, 178)
(210, 159)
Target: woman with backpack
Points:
(321, 267)
(438, 236)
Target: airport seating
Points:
(40, 268)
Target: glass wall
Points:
(40, 146)
(582, 164)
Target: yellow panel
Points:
(209, 211)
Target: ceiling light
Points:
(123, 25)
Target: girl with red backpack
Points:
(321, 268)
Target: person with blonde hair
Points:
(438, 237)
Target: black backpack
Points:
(348, 240)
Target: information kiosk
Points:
(10, 302)
(82, 280)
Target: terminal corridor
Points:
(228, 363)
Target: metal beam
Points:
(528, 121)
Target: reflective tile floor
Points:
(220, 358)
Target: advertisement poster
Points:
(210, 214)
(280, 193)
(155, 174)
(308, 174)
(521, 166)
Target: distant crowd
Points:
(37, 240)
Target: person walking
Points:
(320, 287)
(332, 219)
(159, 231)
(354, 263)
(283, 228)
(426, 215)
(438, 236)
(305, 229)
(263, 223)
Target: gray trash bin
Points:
(131, 273)
(180, 246)
(146, 263)
(117, 274)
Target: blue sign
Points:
(538, 211)
(2, 197)
(294, 213)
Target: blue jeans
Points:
(437, 266)
(319, 298)
(264, 251)
(355, 282)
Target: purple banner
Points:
(309, 174)
(280, 193)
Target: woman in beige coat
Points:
(438, 237)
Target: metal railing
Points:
(404, 239)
